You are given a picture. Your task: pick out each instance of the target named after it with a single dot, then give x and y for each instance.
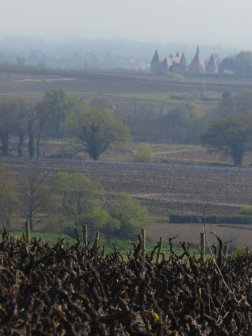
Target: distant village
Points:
(178, 64)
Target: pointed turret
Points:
(212, 66)
(166, 63)
(197, 66)
(183, 60)
(197, 53)
(155, 63)
(156, 58)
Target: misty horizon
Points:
(193, 23)
(97, 53)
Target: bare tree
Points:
(33, 194)
(8, 197)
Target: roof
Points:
(183, 59)
(212, 61)
(212, 65)
(167, 62)
(156, 58)
(197, 64)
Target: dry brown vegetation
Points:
(79, 290)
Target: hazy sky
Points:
(225, 22)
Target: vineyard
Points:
(163, 188)
(33, 81)
(78, 290)
(167, 189)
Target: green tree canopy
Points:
(143, 153)
(7, 123)
(51, 115)
(8, 197)
(78, 200)
(181, 125)
(230, 135)
(130, 214)
(15, 116)
(97, 130)
(226, 105)
(240, 64)
(24, 110)
(234, 104)
(57, 104)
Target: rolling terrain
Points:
(163, 188)
(32, 82)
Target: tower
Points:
(155, 63)
(212, 65)
(197, 65)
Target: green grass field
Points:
(109, 245)
(47, 237)
(151, 96)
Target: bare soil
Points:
(237, 236)
(164, 188)
(33, 82)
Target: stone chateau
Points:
(177, 64)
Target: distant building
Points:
(212, 66)
(178, 64)
(170, 63)
(179, 67)
(197, 65)
(155, 63)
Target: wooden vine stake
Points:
(143, 242)
(202, 245)
(160, 243)
(225, 250)
(97, 238)
(85, 235)
(27, 233)
(203, 236)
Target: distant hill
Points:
(85, 54)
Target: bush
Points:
(246, 211)
(130, 215)
(144, 153)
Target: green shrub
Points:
(144, 153)
(246, 211)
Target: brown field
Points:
(171, 188)
(164, 188)
(33, 82)
(237, 236)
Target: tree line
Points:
(25, 123)
(239, 64)
(67, 201)
(230, 131)
(226, 129)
